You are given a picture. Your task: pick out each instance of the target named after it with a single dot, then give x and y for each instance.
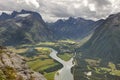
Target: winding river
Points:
(65, 72)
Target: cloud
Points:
(32, 2)
(55, 9)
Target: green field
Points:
(50, 76)
(65, 56)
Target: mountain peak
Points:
(71, 18)
(6, 16)
(114, 15)
(23, 27)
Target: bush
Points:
(10, 73)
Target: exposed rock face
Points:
(13, 67)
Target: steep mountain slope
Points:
(23, 27)
(13, 67)
(99, 58)
(73, 28)
(106, 39)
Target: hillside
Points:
(106, 39)
(13, 67)
(99, 58)
(23, 27)
(73, 28)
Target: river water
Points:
(65, 72)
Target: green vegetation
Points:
(65, 56)
(40, 64)
(2, 76)
(50, 76)
(61, 46)
(20, 50)
(39, 60)
(1, 51)
(101, 53)
(109, 72)
(8, 73)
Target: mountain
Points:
(73, 28)
(13, 67)
(99, 57)
(5, 16)
(106, 39)
(23, 27)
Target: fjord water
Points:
(65, 72)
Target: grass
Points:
(2, 51)
(92, 62)
(115, 72)
(39, 65)
(112, 72)
(46, 43)
(21, 50)
(50, 76)
(109, 70)
(43, 50)
(65, 56)
(67, 41)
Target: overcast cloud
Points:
(55, 9)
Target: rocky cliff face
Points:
(13, 67)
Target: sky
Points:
(51, 10)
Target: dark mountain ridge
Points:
(105, 40)
(23, 27)
(5, 16)
(29, 27)
(73, 28)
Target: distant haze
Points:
(52, 10)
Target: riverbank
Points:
(65, 72)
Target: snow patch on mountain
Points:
(23, 15)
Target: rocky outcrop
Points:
(13, 67)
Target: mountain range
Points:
(100, 51)
(26, 27)
(73, 28)
(23, 27)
